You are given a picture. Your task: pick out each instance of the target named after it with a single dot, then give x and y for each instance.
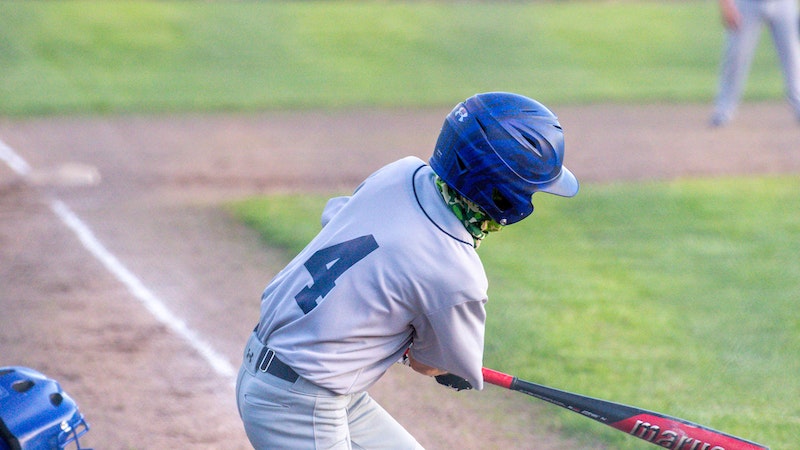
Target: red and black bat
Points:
(659, 429)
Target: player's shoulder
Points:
(393, 173)
(408, 163)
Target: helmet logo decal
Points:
(461, 113)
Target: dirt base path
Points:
(156, 208)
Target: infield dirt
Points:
(157, 208)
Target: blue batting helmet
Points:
(497, 149)
(35, 413)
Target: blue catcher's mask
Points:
(497, 149)
(35, 413)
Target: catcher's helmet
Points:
(35, 413)
(497, 149)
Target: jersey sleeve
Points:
(451, 339)
(332, 207)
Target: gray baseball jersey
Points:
(391, 265)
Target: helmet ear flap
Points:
(500, 201)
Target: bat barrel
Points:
(656, 428)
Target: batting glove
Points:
(453, 382)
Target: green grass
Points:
(679, 297)
(109, 57)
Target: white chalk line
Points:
(14, 161)
(151, 302)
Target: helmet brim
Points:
(564, 185)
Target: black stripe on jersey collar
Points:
(416, 197)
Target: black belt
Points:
(264, 360)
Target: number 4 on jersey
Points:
(328, 264)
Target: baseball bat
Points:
(656, 428)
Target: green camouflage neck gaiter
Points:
(477, 222)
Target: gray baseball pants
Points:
(298, 415)
(782, 18)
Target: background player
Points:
(395, 266)
(743, 20)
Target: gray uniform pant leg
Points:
(785, 29)
(782, 18)
(737, 58)
(279, 414)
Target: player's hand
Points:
(453, 382)
(731, 17)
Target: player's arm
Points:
(424, 369)
(731, 17)
(450, 342)
(442, 377)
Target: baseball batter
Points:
(743, 20)
(394, 276)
